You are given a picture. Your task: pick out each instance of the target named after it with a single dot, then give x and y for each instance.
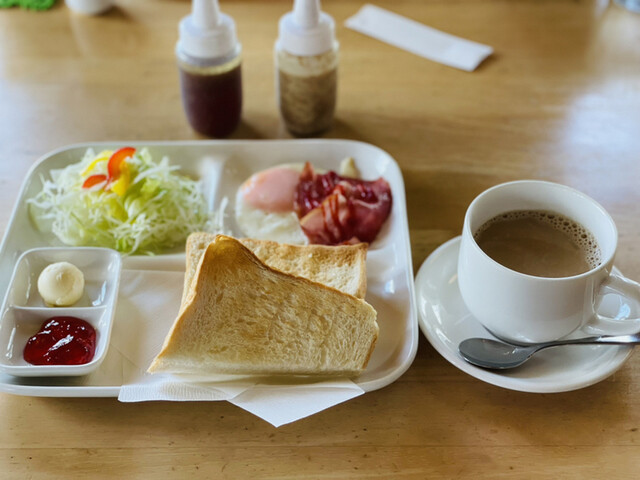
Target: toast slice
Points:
(342, 267)
(243, 317)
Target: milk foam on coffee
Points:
(539, 243)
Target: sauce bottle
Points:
(306, 57)
(209, 60)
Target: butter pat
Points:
(61, 284)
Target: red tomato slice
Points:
(115, 161)
(94, 180)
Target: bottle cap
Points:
(306, 30)
(207, 33)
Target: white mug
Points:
(528, 309)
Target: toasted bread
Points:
(244, 317)
(342, 267)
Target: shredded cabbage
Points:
(158, 211)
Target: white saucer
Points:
(445, 321)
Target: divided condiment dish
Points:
(24, 311)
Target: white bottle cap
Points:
(306, 30)
(207, 33)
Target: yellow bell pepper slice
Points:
(121, 185)
(102, 156)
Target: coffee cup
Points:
(532, 308)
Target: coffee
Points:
(539, 243)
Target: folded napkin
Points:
(148, 303)
(417, 38)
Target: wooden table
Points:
(559, 100)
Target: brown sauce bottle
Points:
(209, 60)
(212, 96)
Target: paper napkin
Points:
(147, 306)
(417, 38)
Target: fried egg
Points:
(264, 205)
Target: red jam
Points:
(62, 341)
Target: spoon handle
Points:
(631, 339)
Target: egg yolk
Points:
(272, 190)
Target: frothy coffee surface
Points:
(539, 243)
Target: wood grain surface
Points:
(559, 100)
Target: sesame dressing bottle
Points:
(306, 57)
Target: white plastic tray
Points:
(223, 165)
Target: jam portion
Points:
(62, 341)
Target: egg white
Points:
(279, 227)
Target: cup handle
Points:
(629, 292)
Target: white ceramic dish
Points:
(24, 311)
(89, 7)
(445, 321)
(222, 166)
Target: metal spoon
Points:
(488, 353)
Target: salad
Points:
(121, 199)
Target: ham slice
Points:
(335, 210)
